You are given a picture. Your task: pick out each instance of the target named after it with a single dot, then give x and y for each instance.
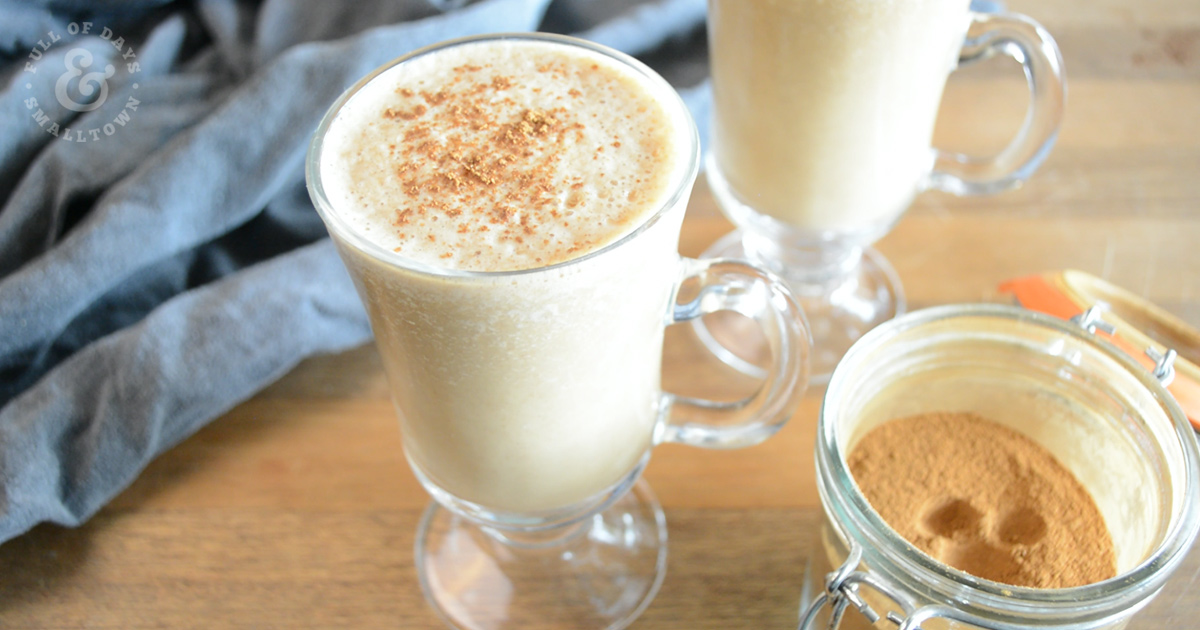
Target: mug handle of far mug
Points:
(1032, 46)
(735, 285)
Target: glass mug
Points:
(529, 400)
(1107, 419)
(823, 115)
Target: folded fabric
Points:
(160, 260)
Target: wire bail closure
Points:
(1092, 320)
(842, 591)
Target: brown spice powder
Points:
(984, 499)
(473, 165)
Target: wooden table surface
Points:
(297, 510)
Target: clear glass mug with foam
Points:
(823, 116)
(530, 399)
(1106, 418)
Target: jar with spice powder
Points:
(1104, 418)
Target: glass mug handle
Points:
(1032, 46)
(734, 285)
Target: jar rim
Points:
(851, 511)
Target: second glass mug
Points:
(823, 116)
(529, 400)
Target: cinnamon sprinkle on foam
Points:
(471, 149)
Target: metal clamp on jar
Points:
(1107, 419)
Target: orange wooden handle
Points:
(1140, 324)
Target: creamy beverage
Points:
(509, 211)
(824, 109)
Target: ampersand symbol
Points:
(88, 83)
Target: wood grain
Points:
(297, 509)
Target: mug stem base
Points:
(600, 573)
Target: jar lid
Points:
(1151, 336)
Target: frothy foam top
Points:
(503, 155)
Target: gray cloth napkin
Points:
(160, 260)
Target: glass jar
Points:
(1107, 420)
